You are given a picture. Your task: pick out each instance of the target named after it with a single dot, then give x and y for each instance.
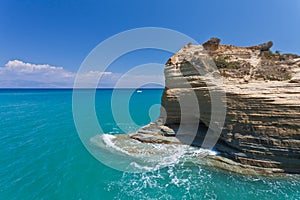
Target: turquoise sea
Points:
(42, 157)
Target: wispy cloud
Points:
(23, 67)
(19, 74)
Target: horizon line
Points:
(79, 88)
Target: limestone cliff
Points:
(262, 94)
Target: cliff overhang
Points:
(260, 132)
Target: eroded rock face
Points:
(212, 44)
(262, 124)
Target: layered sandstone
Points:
(261, 92)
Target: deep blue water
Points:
(42, 157)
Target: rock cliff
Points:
(261, 92)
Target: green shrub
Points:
(221, 63)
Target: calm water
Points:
(42, 157)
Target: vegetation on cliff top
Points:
(253, 62)
(273, 67)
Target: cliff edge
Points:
(261, 129)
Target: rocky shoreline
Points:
(260, 133)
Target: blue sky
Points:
(40, 34)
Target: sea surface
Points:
(42, 157)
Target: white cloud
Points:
(19, 74)
(29, 67)
(21, 68)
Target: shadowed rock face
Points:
(212, 44)
(262, 125)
